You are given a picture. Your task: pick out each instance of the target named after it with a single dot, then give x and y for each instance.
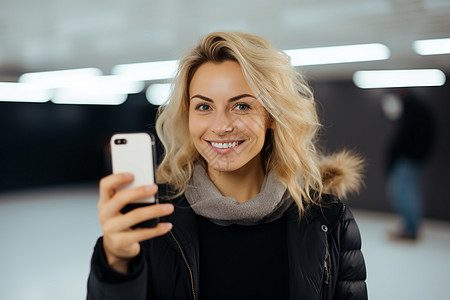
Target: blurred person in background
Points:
(254, 211)
(407, 155)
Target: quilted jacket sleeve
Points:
(352, 270)
(107, 284)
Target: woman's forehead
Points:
(219, 80)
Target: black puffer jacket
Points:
(325, 259)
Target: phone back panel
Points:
(135, 156)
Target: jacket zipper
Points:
(326, 269)
(325, 274)
(186, 262)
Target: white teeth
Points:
(224, 145)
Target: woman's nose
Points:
(223, 124)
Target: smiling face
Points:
(226, 122)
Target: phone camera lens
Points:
(120, 141)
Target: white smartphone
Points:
(135, 153)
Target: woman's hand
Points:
(120, 241)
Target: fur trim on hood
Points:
(342, 173)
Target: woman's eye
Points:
(202, 107)
(242, 106)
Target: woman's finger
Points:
(143, 234)
(124, 197)
(136, 216)
(122, 244)
(109, 184)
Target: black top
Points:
(168, 267)
(243, 262)
(415, 136)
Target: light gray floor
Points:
(47, 237)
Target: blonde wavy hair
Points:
(289, 149)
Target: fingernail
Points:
(149, 188)
(167, 207)
(128, 175)
(168, 226)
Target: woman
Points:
(253, 211)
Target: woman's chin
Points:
(221, 167)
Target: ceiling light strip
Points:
(59, 79)
(88, 97)
(398, 78)
(23, 92)
(158, 93)
(157, 70)
(338, 54)
(432, 46)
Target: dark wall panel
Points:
(353, 118)
(48, 144)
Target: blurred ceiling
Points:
(62, 34)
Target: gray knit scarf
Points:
(207, 201)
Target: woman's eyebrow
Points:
(240, 96)
(202, 97)
(235, 98)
